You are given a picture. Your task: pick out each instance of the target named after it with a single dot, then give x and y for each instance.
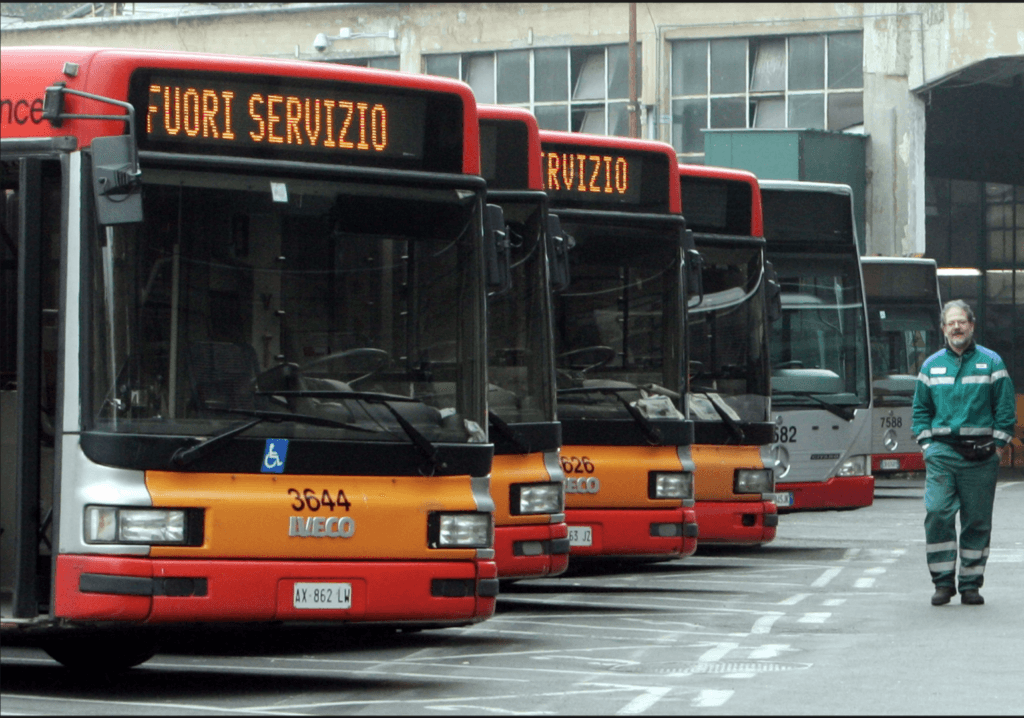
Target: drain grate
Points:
(710, 667)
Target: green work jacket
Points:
(969, 396)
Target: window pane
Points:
(769, 65)
(728, 112)
(728, 66)
(479, 70)
(689, 117)
(806, 62)
(845, 110)
(443, 65)
(589, 120)
(384, 63)
(513, 77)
(550, 75)
(845, 60)
(807, 111)
(690, 67)
(552, 117)
(588, 74)
(769, 112)
(618, 71)
(618, 119)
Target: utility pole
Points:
(633, 109)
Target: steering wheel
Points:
(378, 357)
(604, 355)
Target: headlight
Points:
(670, 485)
(753, 481)
(546, 498)
(854, 466)
(462, 530)
(110, 524)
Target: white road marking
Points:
(864, 583)
(793, 600)
(764, 623)
(823, 579)
(877, 570)
(833, 602)
(717, 653)
(644, 701)
(814, 618)
(709, 698)
(770, 650)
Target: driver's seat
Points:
(223, 375)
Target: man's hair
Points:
(956, 304)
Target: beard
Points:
(959, 340)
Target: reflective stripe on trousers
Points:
(954, 484)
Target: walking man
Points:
(963, 417)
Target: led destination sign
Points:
(580, 175)
(295, 119)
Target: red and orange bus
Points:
(527, 483)
(730, 374)
(250, 380)
(620, 345)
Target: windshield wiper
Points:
(650, 431)
(733, 425)
(507, 432)
(843, 412)
(421, 442)
(184, 457)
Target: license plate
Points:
(322, 595)
(783, 499)
(890, 464)
(581, 535)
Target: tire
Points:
(99, 652)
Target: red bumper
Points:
(737, 522)
(689, 531)
(531, 551)
(635, 532)
(839, 492)
(913, 461)
(109, 588)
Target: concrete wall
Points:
(906, 45)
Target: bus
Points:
(904, 310)
(527, 483)
(620, 347)
(250, 379)
(730, 374)
(821, 391)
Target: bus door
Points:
(31, 226)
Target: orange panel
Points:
(615, 476)
(715, 468)
(252, 515)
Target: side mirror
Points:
(772, 293)
(559, 245)
(497, 251)
(115, 180)
(695, 274)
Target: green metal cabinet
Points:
(810, 155)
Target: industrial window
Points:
(581, 89)
(389, 62)
(800, 81)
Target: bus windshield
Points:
(308, 298)
(614, 321)
(818, 345)
(901, 339)
(728, 364)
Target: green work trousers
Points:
(952, 484)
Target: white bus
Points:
(903, 321)
(821, 392)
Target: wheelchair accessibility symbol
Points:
(274, 456)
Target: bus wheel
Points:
(99, 653)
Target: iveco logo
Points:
(825, 457)
(321, 526)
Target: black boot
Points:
(970, 597)
(942, 595)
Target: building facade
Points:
(935, 91)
